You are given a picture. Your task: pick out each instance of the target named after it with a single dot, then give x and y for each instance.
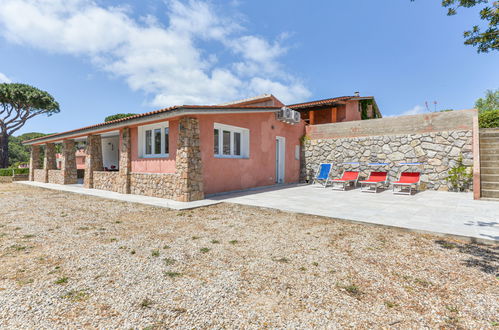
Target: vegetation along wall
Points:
(438, 141)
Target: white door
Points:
(280, 155)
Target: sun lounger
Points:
(346, 179)
(374, 181)
(407, 180)
(322, 175)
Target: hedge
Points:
(10, 171)
(489, 119)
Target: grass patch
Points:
(166, 247)
(204, 250)
(284, 260)
(29, 236)
(195, 237)
(390, 304)
(172, 274)
(75, 295)
(214, 241)
(169, 261)
(62, 280)
(18, 247)
(155, 253)
(302, 269)
(146, 303)
(233, 242)
(351, 289)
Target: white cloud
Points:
(4, 78)
(159, 57)
(416, 110)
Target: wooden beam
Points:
(311, 117)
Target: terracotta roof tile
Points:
(320, 102)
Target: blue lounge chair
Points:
(322, 175)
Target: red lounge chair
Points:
(407, 180)
(375, 180)
(346, 179)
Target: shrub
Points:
(10, 171)
(460, 176)
(489, 119)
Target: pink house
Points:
(182, 152)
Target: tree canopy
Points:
(18, 104)
(484, 39)
(489, 102)
(19, 153)
(118, 116)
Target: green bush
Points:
(10, 171)
(489, 119)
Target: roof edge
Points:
(147, 117)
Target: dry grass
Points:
(77, 261)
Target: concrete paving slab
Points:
(445, 213)
(154, 201)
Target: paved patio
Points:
(449, 213)
(454, 214)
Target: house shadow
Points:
(251, 191)
(482, 256)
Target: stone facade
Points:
(155, 185)
(68, 162)
(437, 151)
(189, 167)
(49, 162)
(55, 176)
(93, 159)
(106, 180)
(39, 175)
(34, 161)
(125, 164)
(186, 184)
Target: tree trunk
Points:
(4, 150)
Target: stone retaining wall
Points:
(105, 180)
(155, 185)
(56, 176)
(39, 175)
(438, 151)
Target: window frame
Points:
(244, 141)
(162, 127)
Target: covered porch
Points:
(85, 160)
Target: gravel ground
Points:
(72, 261)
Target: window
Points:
(148, 142)
(216, 148)
(230, 141)
(167, 140)
(154, 140)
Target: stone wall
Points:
(105, 180)
(55, 176)
(189, 166)
(437, 151)
(155, 185)
(39, 174)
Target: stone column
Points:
(93, 159)
(49, 162)
(34, 161)
(68, 162)
(125, 163)
(189, 167)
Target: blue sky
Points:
(103, 57)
